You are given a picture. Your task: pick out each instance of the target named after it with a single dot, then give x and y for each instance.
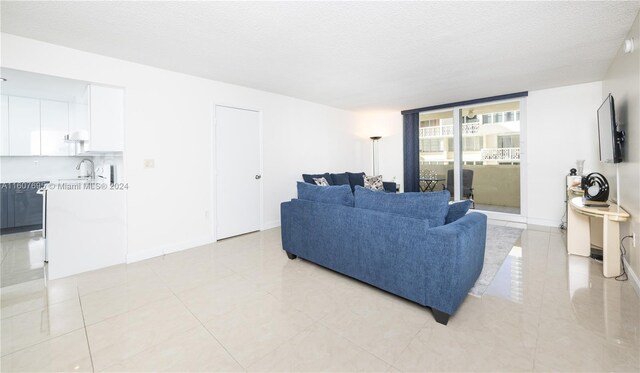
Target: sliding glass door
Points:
(475, 153)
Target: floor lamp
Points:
(374, 143)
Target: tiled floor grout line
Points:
(544, 286)
(48, 339)
(407, 346)
(86, 333)
(195, 317)
(37, 343)
(208, 331)
(243, 276)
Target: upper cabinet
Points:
(54, 126)
(34, 127)
(24, 126)
(106, 119)
(50, 116)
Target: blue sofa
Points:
(412, 244)
(346, 178)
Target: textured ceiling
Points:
(352, 55)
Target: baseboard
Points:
(137, 256)
(270, 224)
(544, 222)
(633, 277)
(167, 249)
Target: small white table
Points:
(597, 225)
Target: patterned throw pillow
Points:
(373, 183)
(321, 181)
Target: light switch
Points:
(149, 163)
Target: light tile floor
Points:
(241, 305)
(22, 257)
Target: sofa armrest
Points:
(389, 186)
(460, 246)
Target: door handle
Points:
(258, 177)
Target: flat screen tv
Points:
(608, 135)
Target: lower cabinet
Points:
(21, 206)
(5, 208)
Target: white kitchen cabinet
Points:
(106, 119)
(4, 125)
(54, 126)
(78, 117)
(24, 126)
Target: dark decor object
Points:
(467, 185)
(308, 178)
(340, 179)
(441, 317)
(347, 178)
(411, 158)
(573, 172)
(356, 178)
(596, 187)
(610, 136)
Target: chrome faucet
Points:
(93, 170)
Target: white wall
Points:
(562, 127)
(169, 119)
(388, 124)
(623, 82)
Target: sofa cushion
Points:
(308, 178)
(457, 210)
(356, 179)
(432, 206)
(335, 194)
(340, 179)
(321, 181)
(374, 183)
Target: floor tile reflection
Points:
(22, 257)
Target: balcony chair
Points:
(467, 185)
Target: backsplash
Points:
(19, 169)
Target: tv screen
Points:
(610, 149)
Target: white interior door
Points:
(238, 161)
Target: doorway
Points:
(238, 171)
(475, 152)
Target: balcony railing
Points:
(447, 130)
(500, 154)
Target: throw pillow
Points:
(432, 206)
(321, 181)
(374, 183)
(340, 179)
(356, 179)
(308, 178)
(457, 210)
(334, 194)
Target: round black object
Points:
(573, 172)
(596, 187)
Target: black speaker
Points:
(596, 187)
